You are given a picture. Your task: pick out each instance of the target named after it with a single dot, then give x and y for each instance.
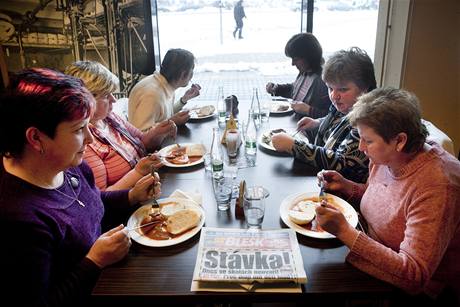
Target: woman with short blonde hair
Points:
(118, 155)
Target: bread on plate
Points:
(206, 110)
(303, 213)
(195, 150)
(169, 209)
(182, 221)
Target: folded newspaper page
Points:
(247, 257)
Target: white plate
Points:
(164, 151)
(347, 210)
(274, 105)
(194, 113)
(299, 136)
(136, 218)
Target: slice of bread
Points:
(206, 110)
(301, 217)
(182, 221)
(304, 212)
(195, 150)
(171, 208)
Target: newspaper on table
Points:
(246, 256)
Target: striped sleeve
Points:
(97, 166)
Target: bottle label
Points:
(217, 166)
(250, 144)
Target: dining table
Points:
(163, 275)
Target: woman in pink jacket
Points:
(411, 201)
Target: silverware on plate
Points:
(155, 206)
(322, 193)
(143, 225)
(295, 133)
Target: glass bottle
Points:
(250, 141)
(221, 109)
(217, 161)
(255, 107)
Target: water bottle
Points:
(221, 109)
(250, 141)
(255, 107)
(217, 161)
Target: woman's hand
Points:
(165, 128)
(333, 181)
(153, 138)
(270, 88)
(300, 107)
(110, 247)
(334, 222)
(283, 142)
(146, 188)
(192, 92)
(145, 164)
(307, 123)
(181, 117)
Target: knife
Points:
(143, 225)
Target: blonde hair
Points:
(97, 78)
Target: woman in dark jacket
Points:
(308, 91)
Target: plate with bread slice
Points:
(177, 220)
(182, 155)
(298, 212)
(280, 107)
(202, 112)
(265, 139)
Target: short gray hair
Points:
(389, 111)
(175, 62)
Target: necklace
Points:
(72, 183)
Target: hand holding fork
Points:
(155, 205)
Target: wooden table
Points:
(156, 276)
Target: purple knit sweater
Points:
(47, 235)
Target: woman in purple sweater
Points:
(411, 201)
(51, 213)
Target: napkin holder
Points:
(231, 105)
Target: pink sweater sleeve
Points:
(429, 221)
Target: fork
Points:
(322, 194)
(295, 133)
(155, 206)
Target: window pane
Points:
(344, 24)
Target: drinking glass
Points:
(254, 206)
(207, 156)
(222, 193)
(231, 173)
(265, 112)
